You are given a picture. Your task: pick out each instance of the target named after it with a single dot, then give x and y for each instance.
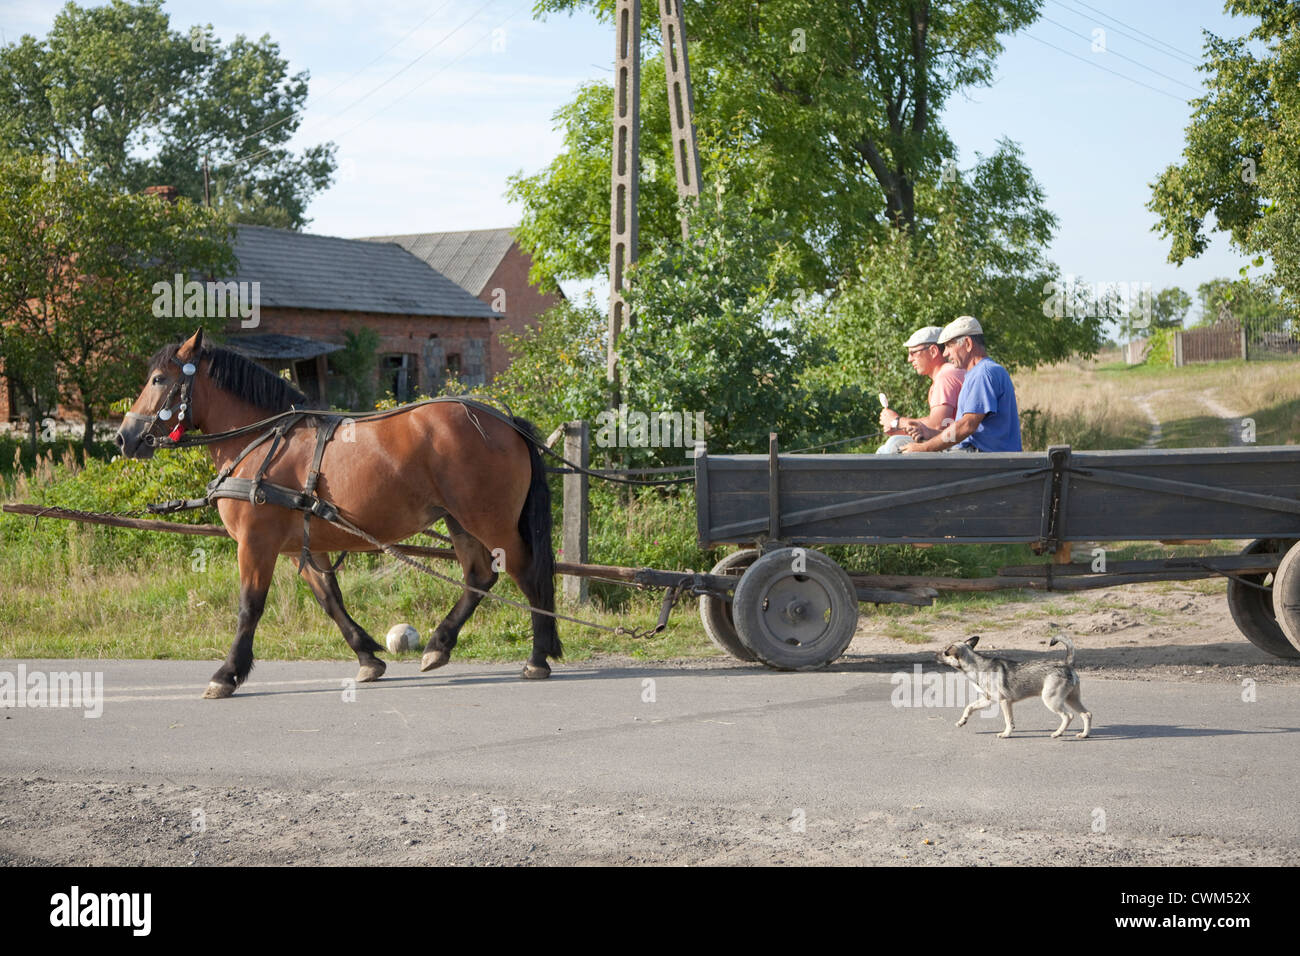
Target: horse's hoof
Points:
(533, 672)
(369, 672)
(217, 691)
(432, 659)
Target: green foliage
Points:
(141, 104)
(353, 386)
(104, 486)
(825, 114)
(1169, 308)
(1241, 162)
(1254, 304)
(970, 262)
(80, 262)
(1161, 352)
(558, 370)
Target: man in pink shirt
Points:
(926, 356)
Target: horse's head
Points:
(166, 405)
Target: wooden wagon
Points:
(791, 606)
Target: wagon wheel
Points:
(1286, 598)
(795, 619)
(1252, 609)
(716, 613)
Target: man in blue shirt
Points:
(987, 416)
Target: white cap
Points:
(960, 326)
(926, 336)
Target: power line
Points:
(1123, 57)
(445, 66)
(1107, 69)
(263, 152)
(1177, 53)
(348, 80)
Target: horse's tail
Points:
(535, 529)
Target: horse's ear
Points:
(193, 345)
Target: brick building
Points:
(488, 264)
(313, 289)
(436, 300)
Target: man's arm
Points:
(925, 427)
(958, 431)
(929, 426)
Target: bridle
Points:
(181, 410)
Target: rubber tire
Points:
(771, 570)
(716, 613)
(1286, 597)
(1252, 609)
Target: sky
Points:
(433, 104)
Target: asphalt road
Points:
(1166, 758)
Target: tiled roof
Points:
(466, 258)
(271, 345)
(298, 270)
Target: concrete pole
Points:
(681, 103)
(624, 173)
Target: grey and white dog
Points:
(1006, 681)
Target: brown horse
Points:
(391, 476)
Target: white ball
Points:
(402, 637)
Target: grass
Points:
(72, 590)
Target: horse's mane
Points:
(241, 377)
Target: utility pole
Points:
(681, 104)
(625, 165)
(624, 174)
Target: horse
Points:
(391, 476)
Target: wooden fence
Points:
(1213, 343)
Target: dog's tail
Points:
(1069, 648)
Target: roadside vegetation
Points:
(74, 590)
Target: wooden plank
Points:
(876, 503)
(1237, 563)
(773, 489)
(1190, 489)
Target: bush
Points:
(1161, 353)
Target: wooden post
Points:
(1178, 348)
(1244, 354)
(624, 174)
(577, 449)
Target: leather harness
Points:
(258, 491)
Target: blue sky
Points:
(430, 147)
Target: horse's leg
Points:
(325, 585)
(476, 563)
(539, 591)
(256, 565)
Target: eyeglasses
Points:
(918, 350)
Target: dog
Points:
(1008, 681)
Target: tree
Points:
(826, 114)
(79, 260)
(961, 266)
(1253, 304)
(1169, 308)
(141, 104)
(1241, 162)
(720, 331)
